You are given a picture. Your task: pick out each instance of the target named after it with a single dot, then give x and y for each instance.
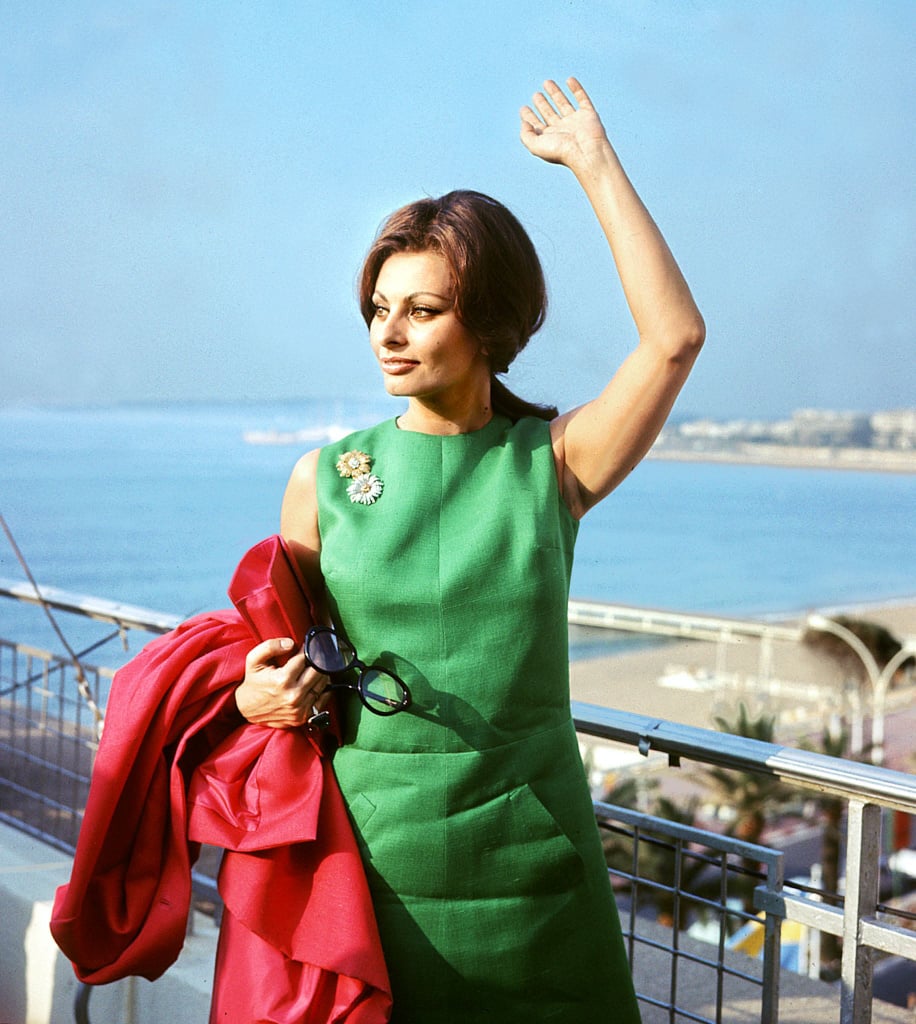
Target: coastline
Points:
(872, 460)
(692, 681)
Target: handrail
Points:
(848, 779)
(625, 618)
(127, 616)
(851, 780)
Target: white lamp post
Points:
(879, 678)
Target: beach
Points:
(864, 460)
(691, 681)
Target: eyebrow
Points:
(414, 295)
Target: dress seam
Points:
(445, 682)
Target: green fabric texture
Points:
(471, 808)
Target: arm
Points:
(599, 443)
(299, 523)
(278, 689)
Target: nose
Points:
(390, 331)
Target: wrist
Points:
(596, 162)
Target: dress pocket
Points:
(521, 849)
(361, 810)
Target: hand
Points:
(279, 689)
(559, 132)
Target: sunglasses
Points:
(381, 691)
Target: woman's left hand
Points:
(559, 132)
(597, 444)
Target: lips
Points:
(398, 366)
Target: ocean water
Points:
(153, 505)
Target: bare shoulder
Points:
(305, 470)
(299, 525)
(299, 512)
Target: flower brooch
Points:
(364, 487)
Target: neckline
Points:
(496, 421)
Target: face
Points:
(424, 350)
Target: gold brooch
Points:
(353, 464)
(364, 487)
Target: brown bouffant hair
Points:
(500, 295)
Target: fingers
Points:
(544, 107)
(581, 96)
(560, 100)
(279, 689)
(270, 652)
(556, 105)
(530, 121)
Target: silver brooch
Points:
(364, 487)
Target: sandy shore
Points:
(875, 460)
(682, 680)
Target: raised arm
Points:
(599, 443)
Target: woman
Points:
(444, 539)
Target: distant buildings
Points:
(808, 428)
(895, 430)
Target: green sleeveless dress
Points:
(471, 808)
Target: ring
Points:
(318, 719)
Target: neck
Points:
(426, 418)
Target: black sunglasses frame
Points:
(337, 683)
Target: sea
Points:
(154, 504)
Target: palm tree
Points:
(751, 796)
(659, 860)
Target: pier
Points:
(683, 625)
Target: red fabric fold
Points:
(259, 788)
(177, 767)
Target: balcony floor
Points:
(801, 1000)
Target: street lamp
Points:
(879, 678)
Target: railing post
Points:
(772, 941)
(863, 852)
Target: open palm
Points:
(559, 132)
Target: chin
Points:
(399, 387)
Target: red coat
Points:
(177, 766)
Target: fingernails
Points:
(286, 643)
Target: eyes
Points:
(424, 312)
(416, 312)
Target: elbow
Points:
(685, 344)
(678, 341)
(694, 334)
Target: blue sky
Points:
(188, 188)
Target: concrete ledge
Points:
(37, 984)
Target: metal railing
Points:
(49, 713)
(701, 880)
(866, 926)
(48, 739)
